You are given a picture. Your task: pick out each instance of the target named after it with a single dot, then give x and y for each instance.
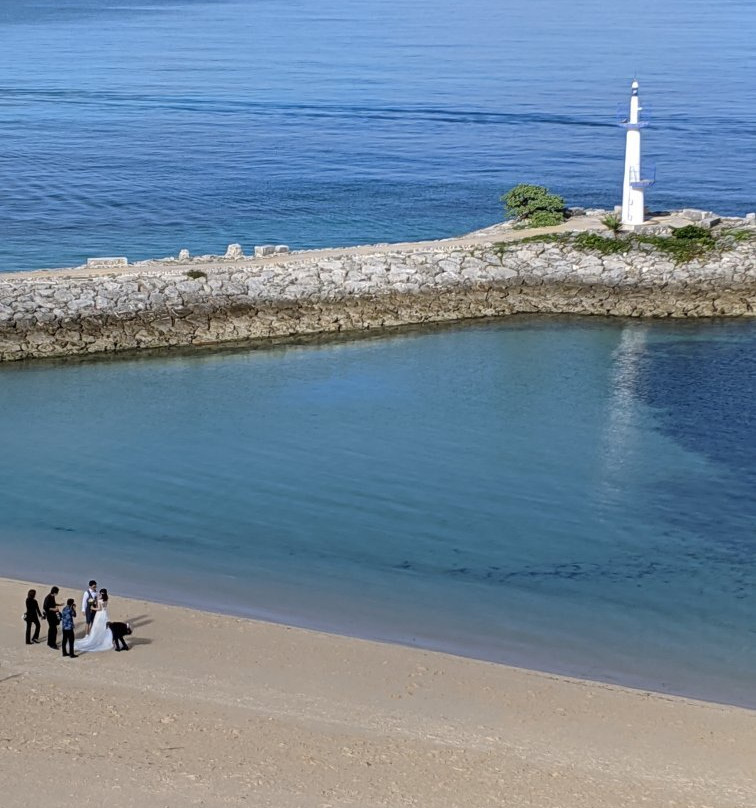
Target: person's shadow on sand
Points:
(139, 621)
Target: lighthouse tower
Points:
(634, 184)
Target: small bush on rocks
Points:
(739, 234)
(541, 238)
(681, 250)
(692, 232)
(524, 202)
(601, 244)
(545, 218)
(196, 274)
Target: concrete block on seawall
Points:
(264, 249)
(710, 221)
(108, 261)
(695, 215)
(280, 249)
(234, 251)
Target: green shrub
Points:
(600, 244)
(545, 218)
(682, 250)
(195, 274)
(738, 234)
(543, 238)
(524, 202)
(502, 247)
(692, 232)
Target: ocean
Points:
(138, 127)
(569, 494)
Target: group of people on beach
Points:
(101, 634)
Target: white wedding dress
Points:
(100, 638)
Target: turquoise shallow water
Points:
(138, 127)
(575, 495)
(569, 494)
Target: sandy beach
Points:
(212, 710)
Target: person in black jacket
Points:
(32, 617)
(119, 631)
(52, 615)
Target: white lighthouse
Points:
(635, 183)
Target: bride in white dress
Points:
(100, 637)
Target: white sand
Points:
(214, 710)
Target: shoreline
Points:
(216, 710)
(517, 656)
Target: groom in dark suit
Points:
(89, 599)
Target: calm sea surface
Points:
(575, 495)
(137, 127)
(569, 494)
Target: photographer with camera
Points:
(51, 613)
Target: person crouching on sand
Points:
(119, 631)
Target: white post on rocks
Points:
(634, 183)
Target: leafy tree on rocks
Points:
(533, 204)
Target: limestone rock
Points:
(109, 261)
(162, 305)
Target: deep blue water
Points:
(569, 494)
(139, 127)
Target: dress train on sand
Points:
(100, 638)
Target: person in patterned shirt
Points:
(67, 624)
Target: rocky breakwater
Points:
(164, 304)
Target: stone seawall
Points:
(159, 305)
